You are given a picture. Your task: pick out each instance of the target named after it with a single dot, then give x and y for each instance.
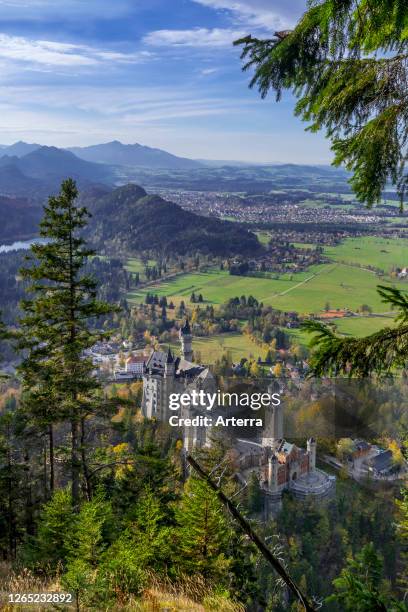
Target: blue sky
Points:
(159, 72)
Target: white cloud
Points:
(67, 9)
(42, 52)
(123, 104)
(52, 53)
(196, 37)
(263, 14)
(207, 71)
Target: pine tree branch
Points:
(381, 353)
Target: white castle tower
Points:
(186, 340)
(311, 451)
(273, 425)
(273, 466)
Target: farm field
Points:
(340, 285)
(363, 326)
(382, 253)
(263, 237)
(239, 345)
(217, 286)
(136, 265)
(234, 345)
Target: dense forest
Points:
(99, 502)
(19, 217)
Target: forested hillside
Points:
(130, 218)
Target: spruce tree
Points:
(402, 530)
(254, 494)
(85, 543)
(203, 533)
(11, 485)
(3, 331)
(49, 548)
(56, 326)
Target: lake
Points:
(19, 245)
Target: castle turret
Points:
(311, 451)
(273, 465)
(186, 339)
(169, 366)
(273, 424)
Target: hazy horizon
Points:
(80, 73)
(4, 145)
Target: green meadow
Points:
(345, 282)
(363, 326)
(135, 265)
(382, 253)
(340, 285)
(235, 345)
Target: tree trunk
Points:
(11, 530)
(51, 449)
(85, 470)
(10, 501)
(29, 517)
(75, 463)
(45, 475)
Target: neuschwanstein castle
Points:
(279, 465)
(166, 374)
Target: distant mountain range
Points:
(40, 172)
(31, 172)
(116, 153)
(112, 153)
(18, 149)
(128, 217)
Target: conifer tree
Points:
(347, 63)
(3, 331)
(254, 495)
(10, 485)
(49, 548)
(86, 543)
(402, 529)
(56, 325)
(359, 586)
(203, 532)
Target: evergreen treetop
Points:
(347, 63)
(59, 323)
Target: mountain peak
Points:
(119, 154)
(20, 148)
